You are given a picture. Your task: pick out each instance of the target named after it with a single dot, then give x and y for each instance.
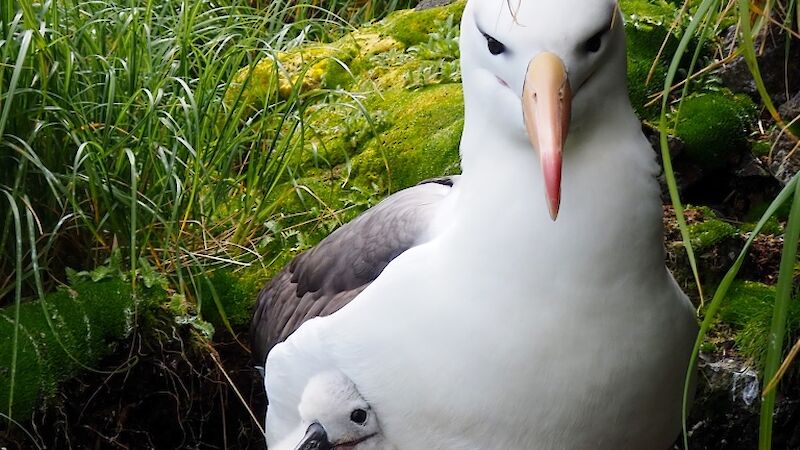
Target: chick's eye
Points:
(495, 47)
(593, 44)
(358, 416)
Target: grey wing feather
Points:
(323, 279)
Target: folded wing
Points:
(323, 279)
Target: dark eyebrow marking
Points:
(605, 28)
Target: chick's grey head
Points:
(337, 416)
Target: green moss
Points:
(412, 27)
(708, 347)
(237, 292)
(651, 43)
(710, 232)
(423, 141)
(644, 80)
(646, 25)
(748, 310)
(772, 226)
(648, 13)
(307, 68)
(761, 148)
(338, 132)
(714, 126)
(746, 300)
(87, 320)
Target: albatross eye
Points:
(495, 47)
(358, 416)
(593, 44)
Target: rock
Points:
(783, 157)
(731, 376)
(674, 143)
(427, 4)
(751, 167)
(779, 70)
(784, 160)
(791, 108)
(725, 413)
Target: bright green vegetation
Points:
(198, 147)
(122, 137)
(708, 229)
(748, 306)
(405, 125)
(710, 232)
(748, 310)
(401, 125)
(412, 28)
(714, 127)
(647, 27)
(236, 292)
(424, 144)
(772, 226)
(70, 329)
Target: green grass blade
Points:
(783, 298)
(672, 185)
(669, 172)
(18, 66)
(134, 203)
(6, 15)
(748, 48)
(712, 307)
(18, 275)
(37, 275)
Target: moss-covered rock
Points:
(710, 232)
(69, 330)
(714, 127)
(413, 27)
(302, 70)
(423, 143)
(647, 24)
(406, 125)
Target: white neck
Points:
(610, 207)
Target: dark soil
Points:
(162, 390)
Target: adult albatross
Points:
(494, 326)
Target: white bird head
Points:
(536, 70)
(336, 416)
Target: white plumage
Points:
(507, 330)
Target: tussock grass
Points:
(117, 137)
(115, 131)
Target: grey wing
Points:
(323, 279)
